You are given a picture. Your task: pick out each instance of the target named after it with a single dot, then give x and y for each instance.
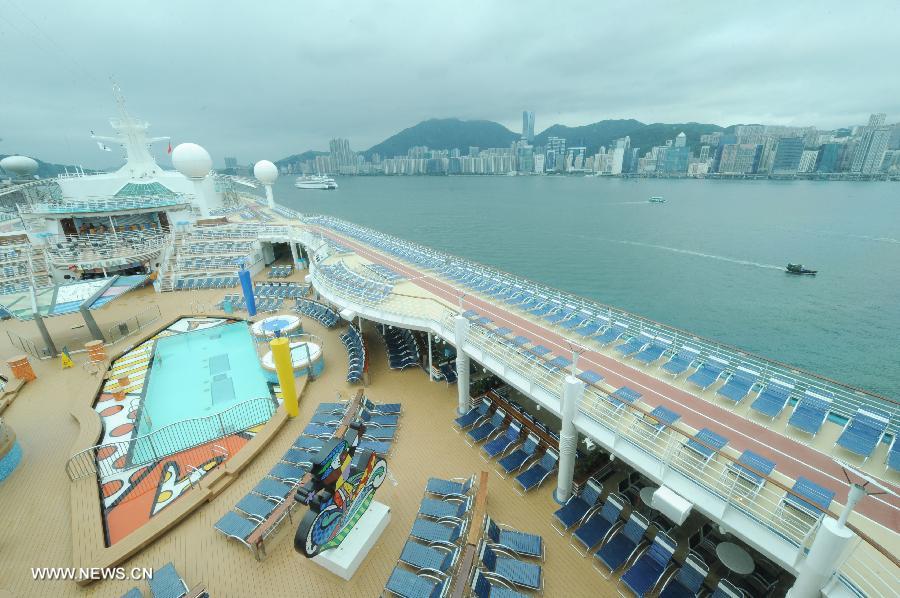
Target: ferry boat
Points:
(656, 453)
(799, 269)
(316, 182)
(657, 199)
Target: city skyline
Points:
(378, 69)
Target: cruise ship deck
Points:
(705, 449)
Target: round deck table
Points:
(735, 558)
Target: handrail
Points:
(76, 465)
(386, 306)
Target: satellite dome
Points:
(19, 165)
(191, 160)
(265, 172)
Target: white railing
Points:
(108, 204)
(106, 246)
(726, 493)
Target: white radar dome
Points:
(265, 172)
(19, 165)
(191, 160)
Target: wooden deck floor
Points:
(36, 513)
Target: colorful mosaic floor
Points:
(132, 495)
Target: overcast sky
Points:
(267, 79)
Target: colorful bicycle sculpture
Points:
(344, 480)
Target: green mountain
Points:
(445, 133)
(605, 133)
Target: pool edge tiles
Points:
(131, 494)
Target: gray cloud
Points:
(263, 80)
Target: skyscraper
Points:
(788, 155)
(870, 150)
(528, 126)
(829, 157)
(621, 156)
(808, 161)
(877, 120)
(681, 140)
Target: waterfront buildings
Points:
(787, 155)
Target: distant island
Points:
(622, 147)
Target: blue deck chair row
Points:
(598, 524)
(356, 354)
(612, 333)
(621, 545)
(708, 372)
(401, 348)
(635, 344)
(487, 427)
(863, 432)
(323, 314)
(502, 442)
(517, 458)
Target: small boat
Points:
(799, 269)
(657, 199)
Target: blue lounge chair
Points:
(299, 457)
(893, 456)
(383, 408)
(616, 551)
(517, 458)
(455, 487)
(647, 571)
(437, 559)
(753, 468)
(654, 350)
(272, 489)
(445, 509)
(681, 361)
(661, 418)
(810, 412)
(384, 421)
(501, 443)
(589, 328)
(167, 583)
(239, 528)
(307, 443)
(535, 475)
(490, 586)
(611, 334)
(575, 321)
(373, 433)
(589, 377)
(809, 498)
(287, 472)
(598, 525)
(864, 431)
(623, 395)
(738, 385)
(705, 444)
(469, 419)
(514, 571)
(688, 581)
(406, 584)
(436, 533)
(635, 345)
(578, 506)
(255, 507)
(708, 372)
(518, 542)
(773, 398)
(483, 431)
(380, 448)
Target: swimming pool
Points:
(199, 378)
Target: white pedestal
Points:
(344, 560)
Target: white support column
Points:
(430, 375)
(462, 364)
(573, 389)
(294, 255)
(827, 551)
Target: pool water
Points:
(199, 376)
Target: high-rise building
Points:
(870, 150)
(621, 155)
(524, 157)
(877, 120)
(829, 158)
(681, 140)
(704, 153)
(344, 160)
(538, 163)
(231, 163)
(473, 150)
(787, 155)
(808, 161)
(556, 152)
(674, 160)
(528, 126)
(739, 158)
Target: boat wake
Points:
(710, 256)
(627, 203)
(888, 240)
